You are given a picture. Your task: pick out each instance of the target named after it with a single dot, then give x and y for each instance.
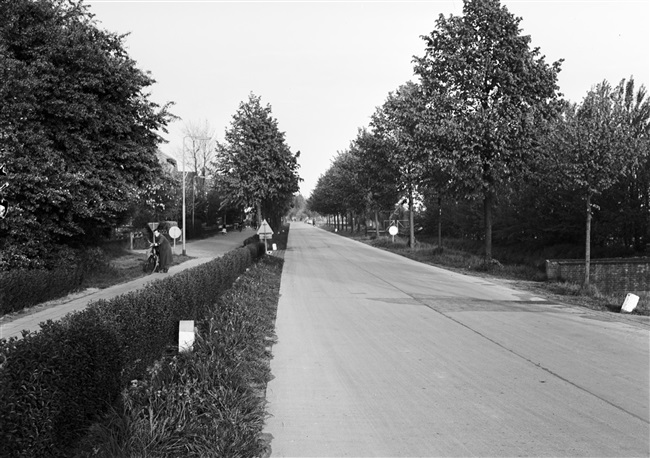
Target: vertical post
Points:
(411, 221)
(184, 196)
(588, 241)
(439, 221)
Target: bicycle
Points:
(152, 264)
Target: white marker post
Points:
(631, 300)
(185, 335)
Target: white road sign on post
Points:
(174, 232)
(265, 232)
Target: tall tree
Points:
(489, 89)
(377, 176)
(323, 197)
(78, 133)
(254, 165)
(598, 145)
(197, 156)
(399, 121)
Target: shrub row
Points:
(208, 402)
(55, 382)
(21, 288)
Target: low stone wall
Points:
(631, 275)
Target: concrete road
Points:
(378, 355)
(200, 250)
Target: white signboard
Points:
(265, 231)
(174, 232)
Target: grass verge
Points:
(118, 266)
(518, 275)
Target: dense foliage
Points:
(254, 166)
(54, 383)
(22, 288)
(78, 133)
(488, 146)
(208, 402)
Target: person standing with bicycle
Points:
(164, 250)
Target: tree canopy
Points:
(254, 165)
(489, 90)
(599, 141)
(78, 133)
(486, 128)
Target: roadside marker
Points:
(630, 302)
(185, 335)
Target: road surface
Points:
(378, 355)
(200, 250)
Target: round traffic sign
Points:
(393, 230)
(174, 232)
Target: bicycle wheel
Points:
(151, 265)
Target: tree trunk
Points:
(487, 210)
(259, 214)
(439, 221)
(193, 205)
(588, 241)
(411, 228)
(377, 223)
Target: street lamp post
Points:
(184, 173)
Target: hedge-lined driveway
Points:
(200, 250)
(378, 355)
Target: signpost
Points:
(174, 232)
(393, 231)
(265, 232)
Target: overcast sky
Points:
(324, 66)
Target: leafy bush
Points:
(20, 289)
(55, 382)
(208, 402)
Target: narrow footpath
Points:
(200, 250)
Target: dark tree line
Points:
(78, 133)
(486, 140)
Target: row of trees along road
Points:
(486, 123)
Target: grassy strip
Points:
(523, 275)
(208, 402)
(22, 289)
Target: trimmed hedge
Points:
(208, 402)
(20, 289)
(56, 382)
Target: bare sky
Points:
(324, 66)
